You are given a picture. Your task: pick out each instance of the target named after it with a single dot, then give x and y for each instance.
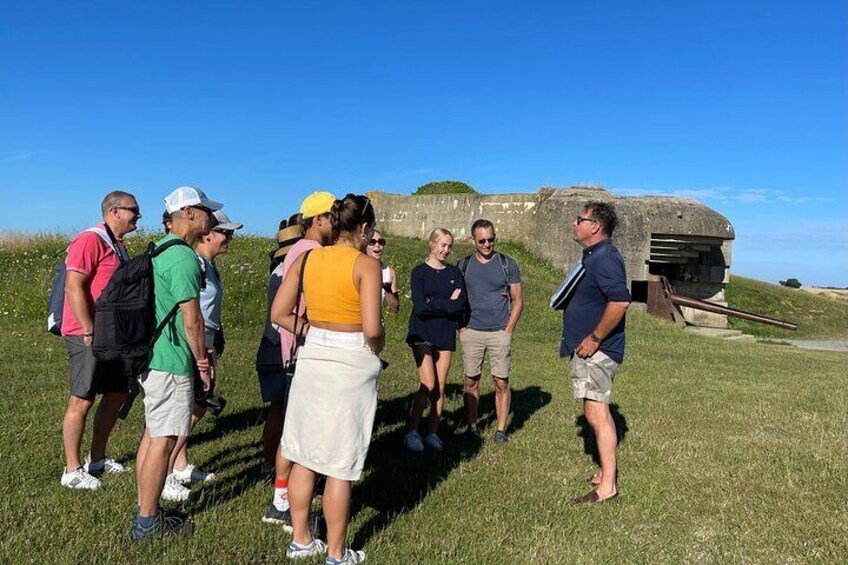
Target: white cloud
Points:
(20, 156)
(727, 194)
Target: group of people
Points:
(318, 359)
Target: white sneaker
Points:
(349, 557)
(434, 442)
(79, 479)
(192, 475)
(412, 442)
(103, 467)
(174, 491)
(297, 551)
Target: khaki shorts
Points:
(591, 378)
(474, 346)
(168, 401)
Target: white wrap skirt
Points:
(333, 399)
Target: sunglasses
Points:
(381, 242)
(580, 219)
(485, 240)
(134, 209)
(225, 233)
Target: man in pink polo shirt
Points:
(93, 256)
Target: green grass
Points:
(817, 317)
(730, 452)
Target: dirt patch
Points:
(832, 293)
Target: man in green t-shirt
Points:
(168, 384)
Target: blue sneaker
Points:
(297, 551)
(350, 557)
(162, 525)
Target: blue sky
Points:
(742, 105)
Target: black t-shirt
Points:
(434, 315)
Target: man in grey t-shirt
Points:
(493, 283)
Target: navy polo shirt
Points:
(605, 281)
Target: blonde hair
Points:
(438, 234)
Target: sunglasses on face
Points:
(580, 219)
(378, 241)
(134, 209)
(226, 233)
(485, 240)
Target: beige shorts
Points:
(591, 378)
(168, 401)
(474, 346)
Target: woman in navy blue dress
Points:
(438, 301)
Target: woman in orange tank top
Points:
(333, 397)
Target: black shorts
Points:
(89, 375)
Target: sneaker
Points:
(350, 557)
(174, 490)
(279, 517)
(500, 436)
(412, 442)
(434, 442)
(469, 432)
(163, 525)
(192, 475)
(79, 479)
(297, 551)
(104, 466)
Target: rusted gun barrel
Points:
(681, 300)
(662, 301)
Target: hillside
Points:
(726, 455)
(817, 317)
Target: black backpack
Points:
(125, 314)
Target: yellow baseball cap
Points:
(316, 204)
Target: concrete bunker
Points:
(679, 238)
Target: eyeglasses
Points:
(485, 240)
(580, 219)
(381, 242)
(225, 233)
(134, 209)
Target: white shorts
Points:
(168, 401)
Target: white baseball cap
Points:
(224, 222)
(189, 196)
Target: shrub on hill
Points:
(445, 187)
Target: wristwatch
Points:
(594, 337)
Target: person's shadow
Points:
(584, 430)
(396, 481)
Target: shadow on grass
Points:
(397, 481)
(584, 430)
(230, 422)
(244, 456)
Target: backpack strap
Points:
(504, 267)
(297, 303)
(153, 251)
(463, 264)
(109, 239)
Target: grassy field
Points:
(729, 453)
(817, 317)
